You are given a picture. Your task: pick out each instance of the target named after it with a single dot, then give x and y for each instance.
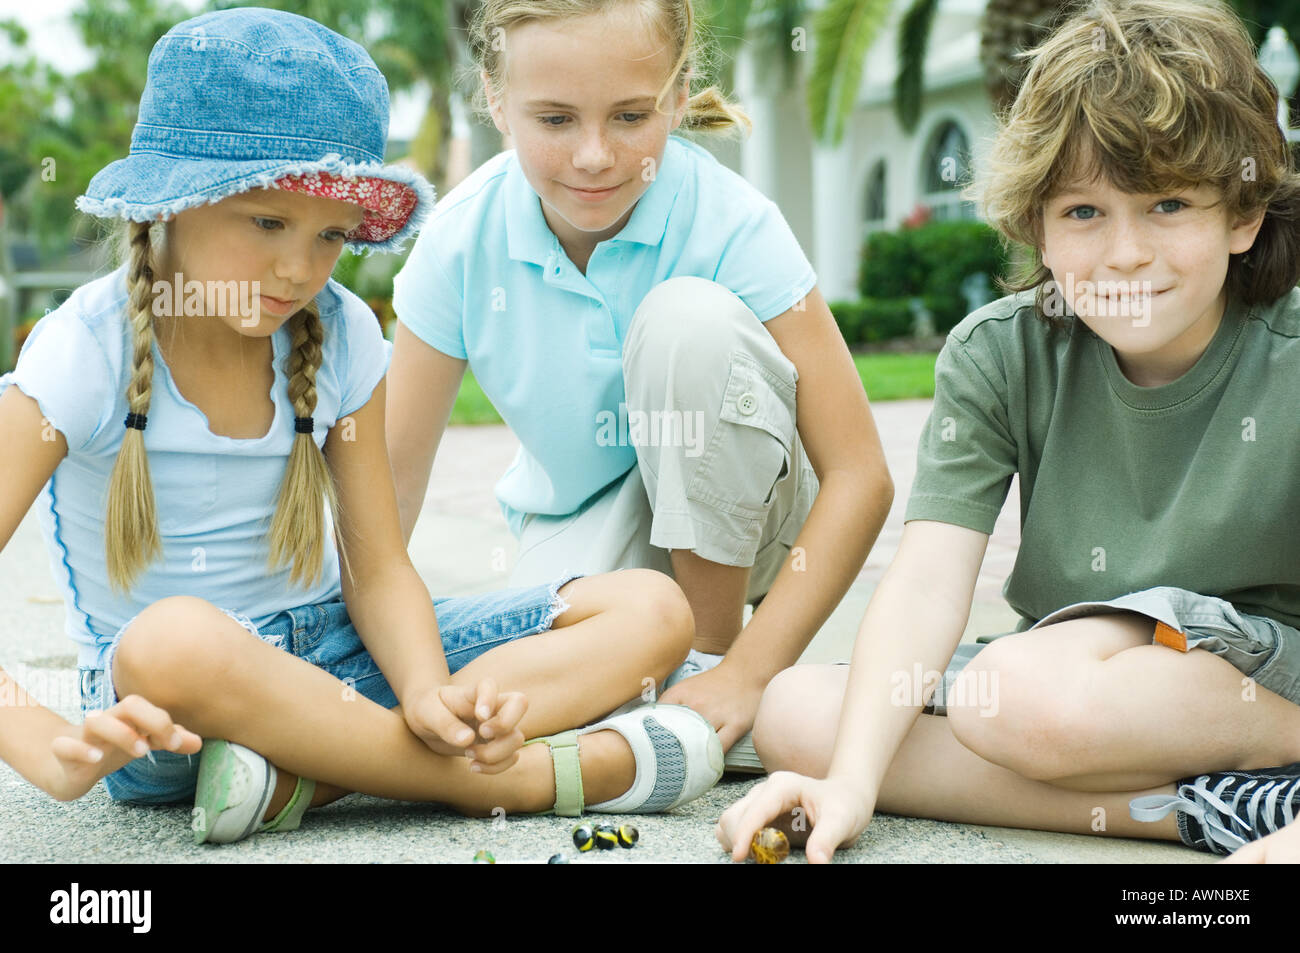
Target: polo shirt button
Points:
(747, 403)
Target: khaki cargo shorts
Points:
(735, 486)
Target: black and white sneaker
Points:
(1223, 811)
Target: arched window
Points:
(946, 171)
(875, 211)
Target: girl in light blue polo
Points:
(189, 416)
(640, 316)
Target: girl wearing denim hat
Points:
(641, 317)
(224, 390)
(1142, 385)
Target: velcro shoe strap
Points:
(568, 773)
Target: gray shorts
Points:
(737, 494)
(1262, 649)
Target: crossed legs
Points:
(1089, 714)
(221, 682)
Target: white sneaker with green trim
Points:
(234, 790)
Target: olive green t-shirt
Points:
(1193, 484)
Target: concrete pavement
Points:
(462, 546)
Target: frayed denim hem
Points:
(115, 207)
(559, 605)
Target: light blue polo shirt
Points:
(487, 281)
(215, 495)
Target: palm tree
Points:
(843, 31)
(846, 29)
(1011, 26)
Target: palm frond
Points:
(725, 24)
(726, 21)
(786, 17)
(913, 42)
(844, 31)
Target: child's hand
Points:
(727, 700)
(477, 722)
(1280, 847)
(835, 812)
(109, 739)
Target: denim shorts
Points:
(1262, 649)
(324, 636)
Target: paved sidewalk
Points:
(460, 546)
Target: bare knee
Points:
(668, 607)
(1011, 711)
(797, 719)
(172, 652)
(662, 606)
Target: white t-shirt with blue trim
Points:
(215, 495)
(488, 281)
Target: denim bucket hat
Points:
(251, 98)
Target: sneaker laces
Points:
(1268, 803)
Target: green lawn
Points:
(472, 405)
(896, 376)
(885, 377)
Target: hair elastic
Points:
(303, 425)
(136, 421)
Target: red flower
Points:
(917, 217)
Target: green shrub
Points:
(345, 270)
(950, 251)
(368, 277)
(946, 309)
(886, 318)
(873, 319)
(890, 268)
(931, 262)
(848, 316)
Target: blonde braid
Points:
(298, 527)
(131, 524)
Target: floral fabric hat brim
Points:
(129, 188)
(386, 204)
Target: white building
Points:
(878, 174)
(833, 197)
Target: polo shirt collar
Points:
(528, 236)
(530, 239)
(649, 219)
